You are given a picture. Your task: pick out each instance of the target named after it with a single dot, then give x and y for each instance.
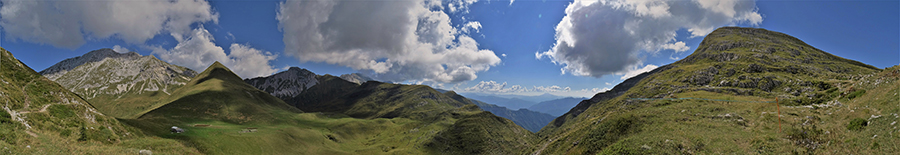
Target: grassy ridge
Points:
(41, 117)
(749, 65)
(373, 99)
(370, 118)
(691, 127)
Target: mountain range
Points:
(743, 91)
(556, 107)
(511, 103)
(331, 89)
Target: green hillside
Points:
(459, 123)
(218, 94)
(734, 73)
(39, 116)
(373, 99)
(224, 115)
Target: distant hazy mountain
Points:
(511, 101)
(286, 84)
(535, 99)
(531, 120)
(356, 78)
(557, 107)
(107, 78)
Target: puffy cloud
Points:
(553, 88)
(120, 49)
(634, 71)
(472, 26)
(396, 40)
(198, 50)
(594, 90)
(493, 87)
(598, 38)
(677, 46)
(249, 62)
(68, 24)
(496, 87)
(461, 5)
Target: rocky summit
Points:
(102, 76)
(285, 84)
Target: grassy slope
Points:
(68, 125)
(460, 124)
(218, 98)
(626, 126)
(373, 99)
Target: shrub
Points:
(5, 117)
(8, 133)
(101, 134)
(60, 111)
(609, 132)
(855, 94)
(857, 124)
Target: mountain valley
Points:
(743, 91)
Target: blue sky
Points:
(470, 46)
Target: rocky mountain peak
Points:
(285, 84)
(58, 69)
(106, 74)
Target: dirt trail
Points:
(538, 152)
(25, 93)
(43, 109)
(31, 133)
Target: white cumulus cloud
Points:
(598, 38)
(198, 50)
(120, 49)
(634, 71)
(396, 40)
(472, 26)
(68, 24)
(493, 87)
